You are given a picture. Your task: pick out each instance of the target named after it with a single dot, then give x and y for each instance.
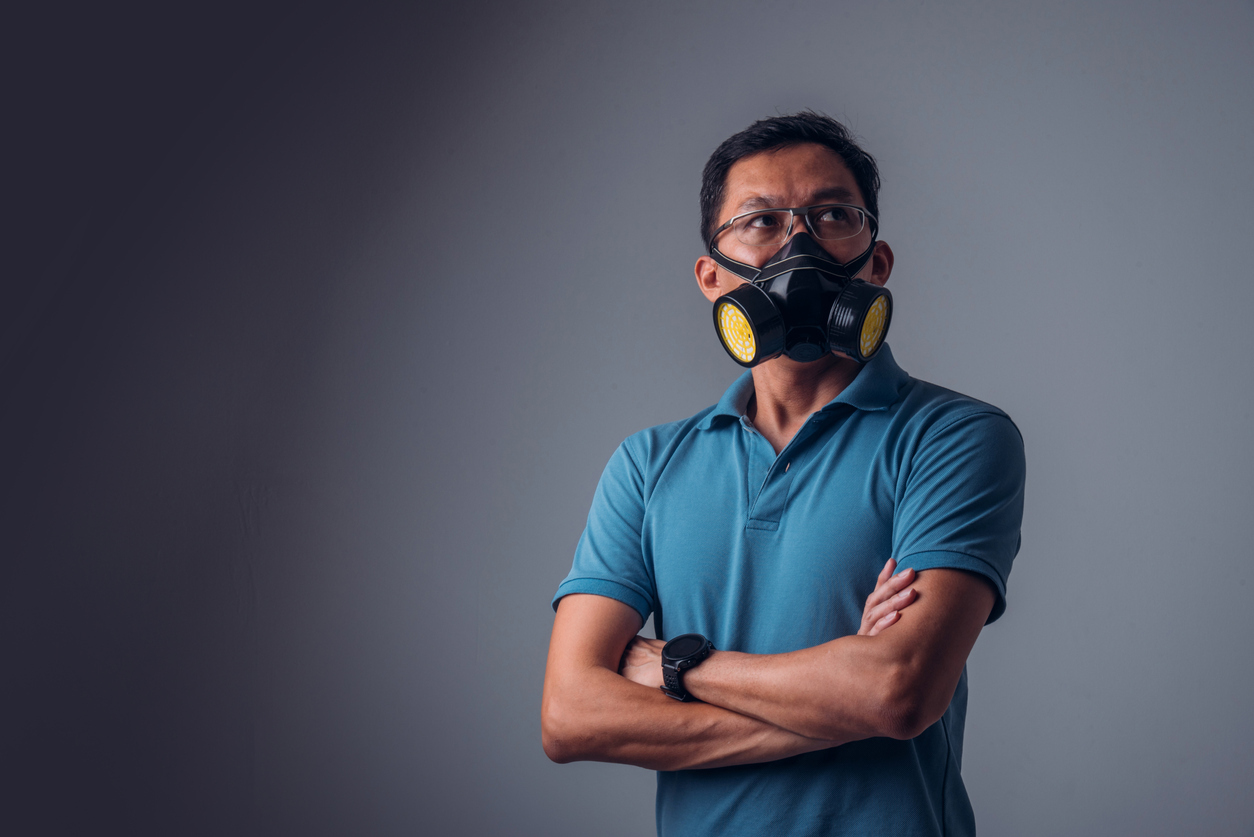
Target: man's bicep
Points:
(590, 630)
(962, 503)
(935, 635)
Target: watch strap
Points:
(673, 681)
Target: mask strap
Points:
(853, 266)
(735, 268)
(749, 273)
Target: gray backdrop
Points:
(319, 326)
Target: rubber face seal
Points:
(749, 326)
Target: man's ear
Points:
(708, 278)
(881, 264)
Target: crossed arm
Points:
(757, 707)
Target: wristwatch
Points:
(680, 654)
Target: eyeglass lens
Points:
(770, 226)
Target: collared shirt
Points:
(700, 523)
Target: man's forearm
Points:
(840, 689)
(895, 684)
(602, 716)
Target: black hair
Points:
(781, 132)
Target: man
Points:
(816, 696)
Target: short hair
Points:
(781, 132)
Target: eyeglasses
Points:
(771, 227)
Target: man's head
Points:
(781, 188)
(781, 132)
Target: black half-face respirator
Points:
(802, 303)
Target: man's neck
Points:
(786, 393)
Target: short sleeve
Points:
(961, 504)
(609, 560)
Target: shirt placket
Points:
(770, 476)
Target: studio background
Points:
(317, 328)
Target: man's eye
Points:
(762, 221)
(834, 213)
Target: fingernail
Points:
(903, 572)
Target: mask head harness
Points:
(802, 303)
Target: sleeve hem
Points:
(610, 589)
(945, 559)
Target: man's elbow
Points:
(911, 705)
(556, 749)
(908, 719)
(552, 736)
(559, 733)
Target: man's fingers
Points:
(875, 615)
(884, 623)
(887, 589)
(878, 612)
(632, 646)
(887, 572)
(641, 649)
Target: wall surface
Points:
(318, 328)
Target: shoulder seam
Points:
(994, 411)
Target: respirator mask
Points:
(802, 303)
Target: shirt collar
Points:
(877, 387)
(733, 403)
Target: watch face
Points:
(684, 646)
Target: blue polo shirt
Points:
(700, 523)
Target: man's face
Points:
(798, 175)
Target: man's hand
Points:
(642, 661)
(887, 600)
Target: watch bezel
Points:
(673, 667)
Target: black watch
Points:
(682, 653)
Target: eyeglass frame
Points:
(792, 217)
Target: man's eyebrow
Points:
(837, 194)
(759, 202)
(834, 194)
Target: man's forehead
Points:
(798, 175)
(835, 194)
